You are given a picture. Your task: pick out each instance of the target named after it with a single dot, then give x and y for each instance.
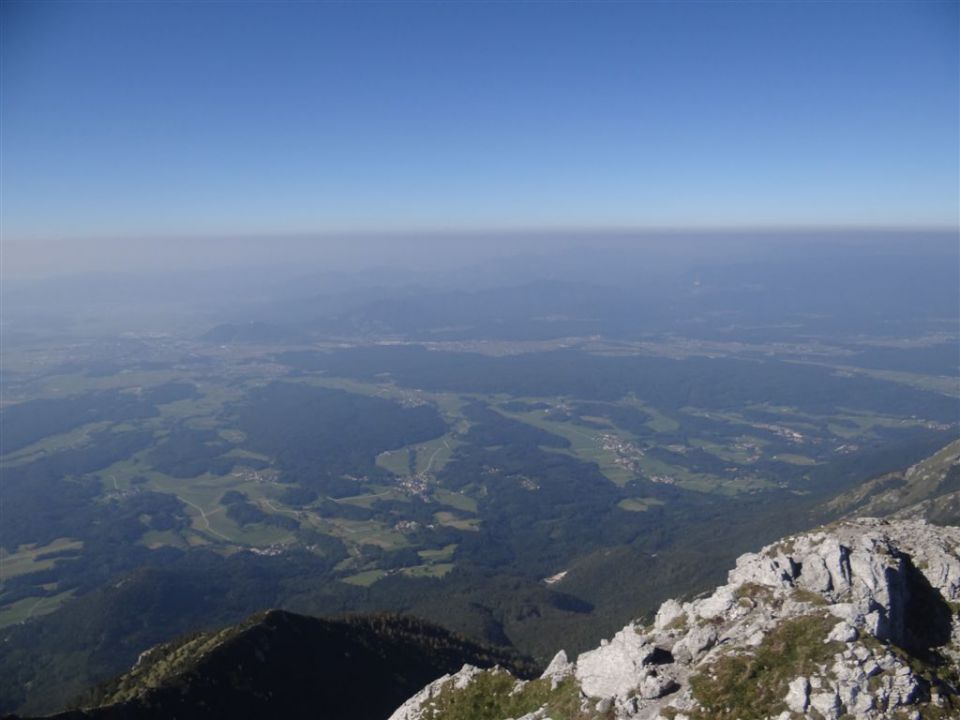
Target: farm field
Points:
(337, 485)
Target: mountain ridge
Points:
(282, 664)
(911, 492)
(859, 619)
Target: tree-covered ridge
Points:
(278, 663)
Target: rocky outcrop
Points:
(854, 620)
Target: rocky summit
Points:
(854, 620)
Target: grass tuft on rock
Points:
(809, 596)
(495, 694)
(753, 685)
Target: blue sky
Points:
(153, 119)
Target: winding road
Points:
(206, 520)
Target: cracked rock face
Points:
(855, 620)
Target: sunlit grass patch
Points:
(451, 520)
(495, 694)
(441, 555)
(29, 558)
(753, 684)
(32, 607)
(438, 570)
(455, 500)
(395, 461)
(365, 578)
(77, 437)
(638, 504)
(792, 459)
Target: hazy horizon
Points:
(185, 121)
(430, 250)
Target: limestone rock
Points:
(669, 614)
(413, 709)
(558, 669)
(863, 598)
(798, 699)
(614, 668)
